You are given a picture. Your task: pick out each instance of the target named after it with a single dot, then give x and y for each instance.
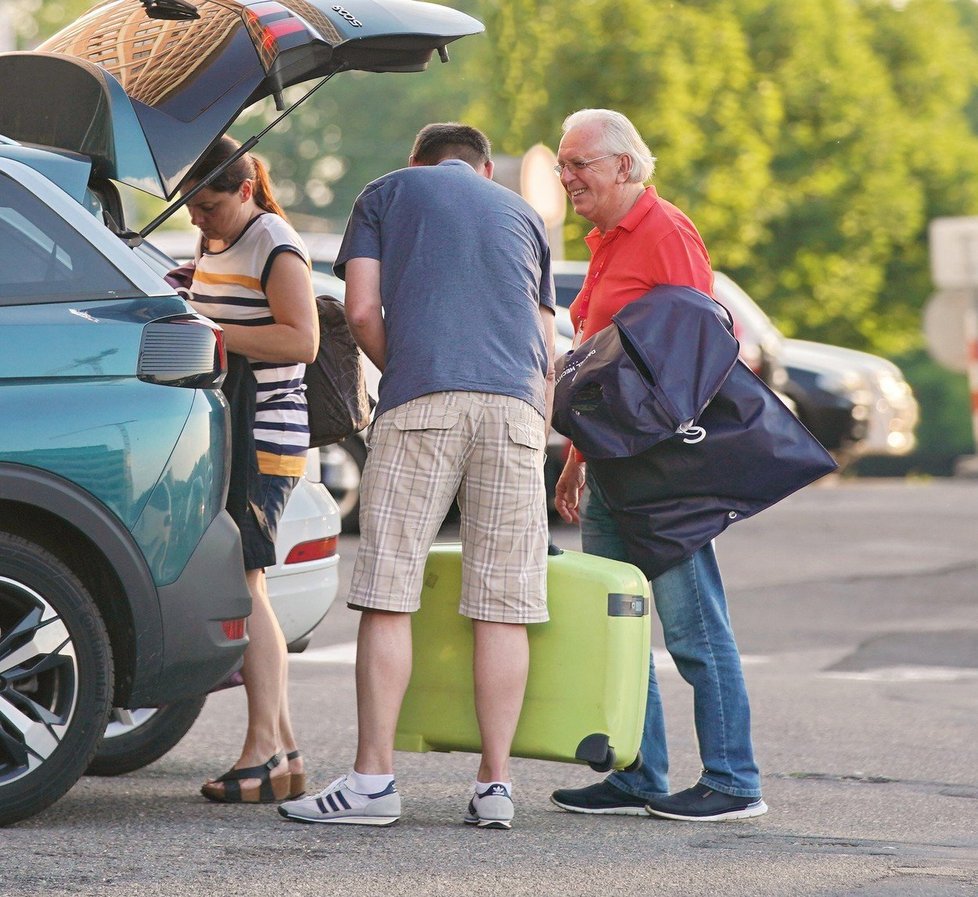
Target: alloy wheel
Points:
(38, 679)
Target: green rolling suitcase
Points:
(589, 665)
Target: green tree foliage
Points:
(841, 198)
(35, 20)
(680, 72)
(933, 66)
(810, 141)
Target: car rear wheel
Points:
(55, 678)
(135, 738)
(341, 468)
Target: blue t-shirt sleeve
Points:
(362, 236)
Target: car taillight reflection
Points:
(184, 350)
(314, 550)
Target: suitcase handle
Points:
(553, 550)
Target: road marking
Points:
(346, 652)
(905, 674)
(665, 664)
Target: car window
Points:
(42, 257)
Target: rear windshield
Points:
(43, 258)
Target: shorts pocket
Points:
(424, 417)
(524, 432)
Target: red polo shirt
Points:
(654, 244)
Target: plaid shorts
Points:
(489, 450)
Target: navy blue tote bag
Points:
(741, 453)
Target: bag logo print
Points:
(573, 367)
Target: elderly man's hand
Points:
(567, 494)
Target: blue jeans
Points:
(692, 608)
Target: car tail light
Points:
(184, 350)
(234, 629)
(271, 24)
(315, 550)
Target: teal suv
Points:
(121, 581)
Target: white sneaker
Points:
(337, 803)
(491, 809)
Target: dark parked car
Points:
(120, 573)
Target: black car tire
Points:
(300, 644)
(348, 500)
(155, 732)
(56, 678)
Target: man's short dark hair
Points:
(450, 140)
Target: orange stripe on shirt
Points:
(251, 283)
(281, 465)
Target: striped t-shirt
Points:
(228, 288)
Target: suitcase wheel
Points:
(635, 764)
(605, 765)
(597, 752)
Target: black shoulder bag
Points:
(336, 389)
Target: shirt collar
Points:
(636, 213)
(457, 162)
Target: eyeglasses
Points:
(579, 164)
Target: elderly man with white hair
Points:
(640, 241)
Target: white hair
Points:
(618, 136)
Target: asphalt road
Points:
(856, 608)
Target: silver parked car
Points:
(861, 398)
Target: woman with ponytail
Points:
(252, 276)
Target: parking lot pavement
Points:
(855, 608)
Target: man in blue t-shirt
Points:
(450, 294)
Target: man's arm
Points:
(547, 318)
(364, 311)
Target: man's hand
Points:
(567, 494)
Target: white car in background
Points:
(872, 391)
(304, 582)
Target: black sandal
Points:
(270, 790)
